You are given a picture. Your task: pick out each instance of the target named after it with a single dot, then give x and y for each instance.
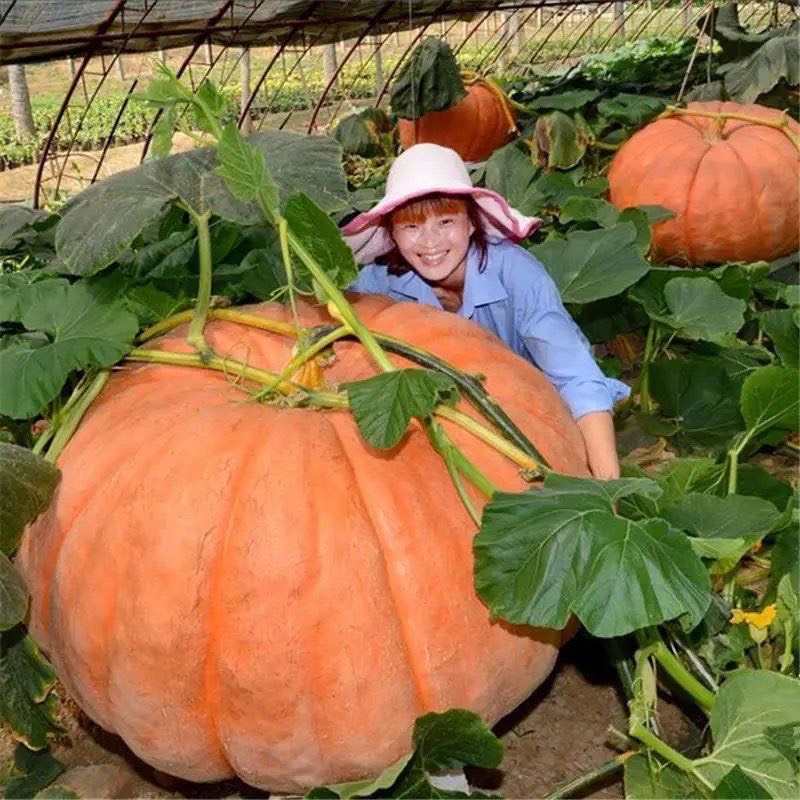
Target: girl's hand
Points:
(597, 428)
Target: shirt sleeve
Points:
(558, 347)
(372, 279)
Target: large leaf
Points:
(28, 483)
(631, 109)
(770, 400)
(430, 80)
(447, 741)
(589, 265)
(738, 785)
(560, 140)
(22, 290)
(572, 100)
(589, 209)
(510, 173)
(319, 236)
(747, 706)
(700, 396)
(780, 325)
(776, 60)
(26, 680)
(101, 222)
(38, 770)
(659, 782)
(545, 554)
(84, 329)
(14, 221)
(723, 527)
(384, 405)
(701, 310)
(734, 40)
(13, 594)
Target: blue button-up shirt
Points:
(516, 299)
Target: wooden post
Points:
(120, 67)
(619, 18)
(247, 123)
(20, 101)
(329, 62)
(71, 66)
(686, 12)
(377, 59)
(209, 53)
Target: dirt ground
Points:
(559, 733)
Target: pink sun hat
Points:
(426, 169)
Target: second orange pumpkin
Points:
(474, 128)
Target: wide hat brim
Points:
(422, 170)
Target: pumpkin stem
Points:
(471, 79)
(195, 336)
(781, 124)
(229, 314)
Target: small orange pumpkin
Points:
(239, 588)
(732, 183)
(475, 127)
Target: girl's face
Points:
(435, 245)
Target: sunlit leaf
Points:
(545, 554)
(589, 265)
(384, 405)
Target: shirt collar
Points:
(481, 288)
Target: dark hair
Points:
(437, 203)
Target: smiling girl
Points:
(436, 239)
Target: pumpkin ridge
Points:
(422, 691)
(50, 560)
(756, 196)
(689, 190)
(215, 620)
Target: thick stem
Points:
(228, 314)
(781, 125)
(74, 414)
(579, 785)
(655, 646)
(491, 438)
(344, 309)
(283, 234)
(195, 336)
(240, 370)
(733, 462)
(649, 739)
(644, 376)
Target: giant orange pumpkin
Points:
(237, 588)
(732, 184)
(475, 127)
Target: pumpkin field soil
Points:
(559, 733)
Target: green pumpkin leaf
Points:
(13, 594)
(631, 109)
(384, 405)
(689, 475)
(430, 80)
(699, 309)
(573, 100)
(243, 167)
(747, 707)
(545, 554)
(700, 396)
(15, 221)
(780, 325)
(723, 528)
(130, 201)
(662, 782)
(509, 172)
(589, 265)
(738, 785)
(778, 59)
(589, 209)
(770, 400)
(28, 483)
(319, 236)
(22, 290)
(556, 188)
(27, 704)
(39, 769)
(84, 329)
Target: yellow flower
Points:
(758, 619)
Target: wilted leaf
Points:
(39, 769)
(561, 140)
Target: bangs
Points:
(416, 211)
